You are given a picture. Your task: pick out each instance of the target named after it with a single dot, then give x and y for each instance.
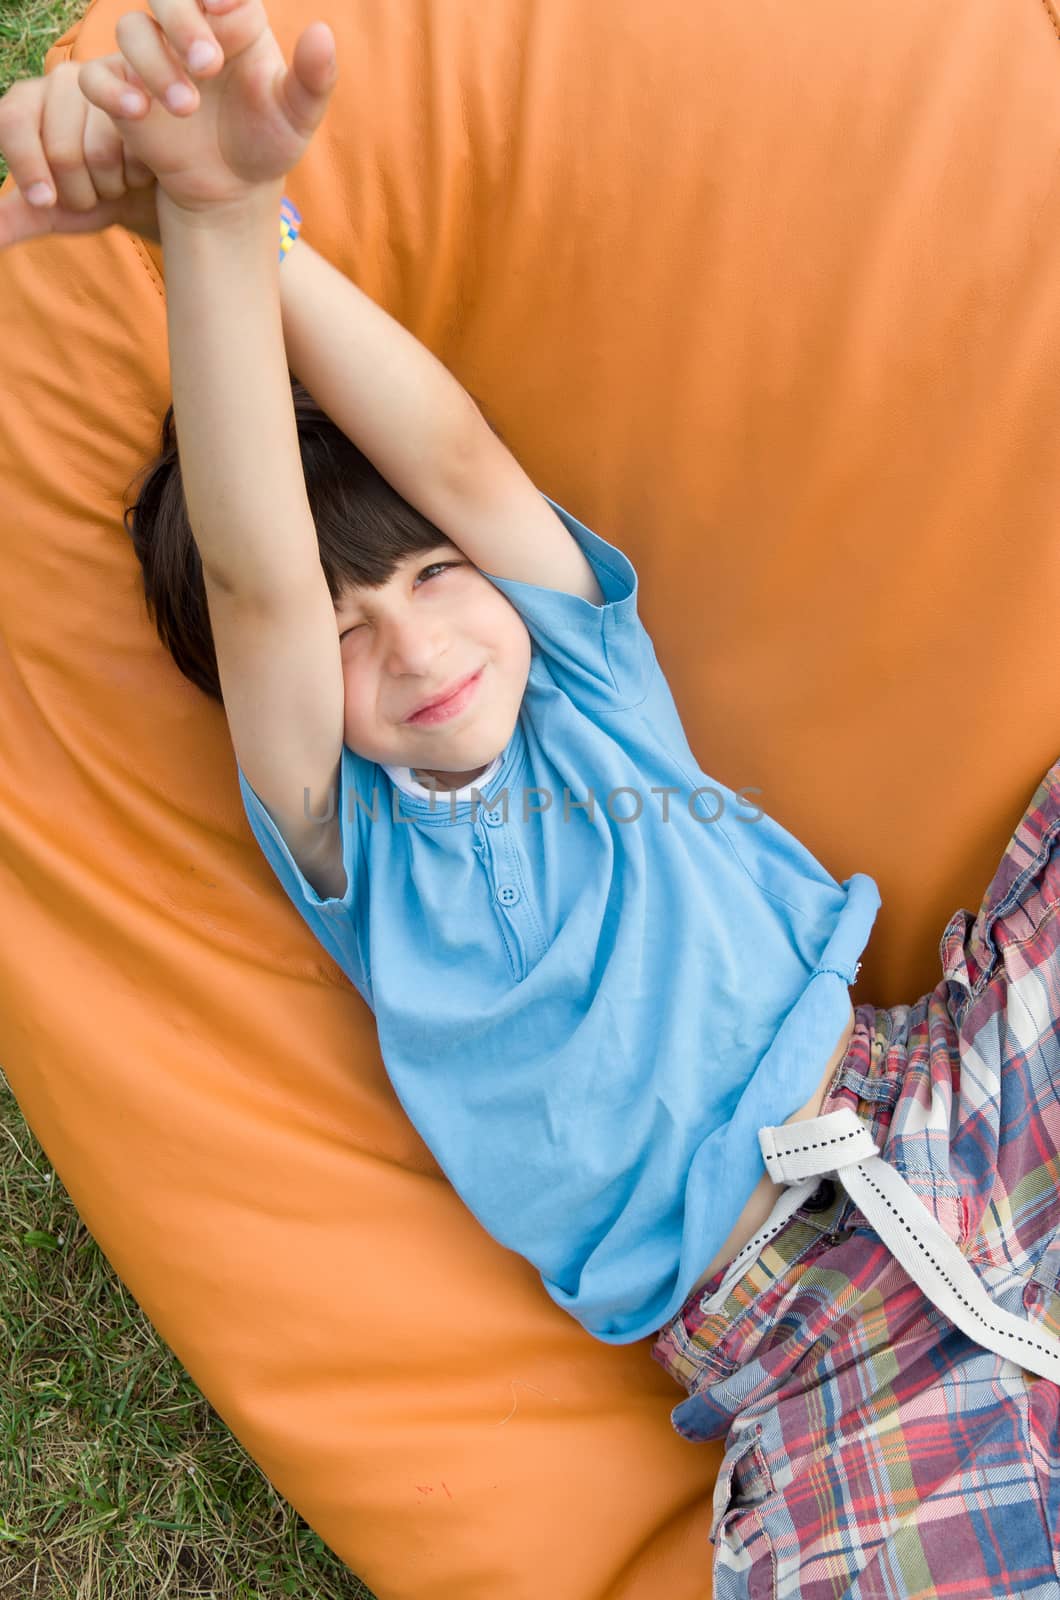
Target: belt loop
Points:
(816, 1148)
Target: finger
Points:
(233, 25)
(109, 84)
(187, 31)
(304, 90)
(21, 111)
(168, 48)
(19, 221)
(148, 54)
(62, 130)
(104, 155)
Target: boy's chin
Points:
(447, 779)
(463, 767)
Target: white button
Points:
(493, 818)
(507, 894)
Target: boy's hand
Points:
(246, 121)
(50, 134)
(69, 132)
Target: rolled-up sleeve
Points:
(341, 925)
(600, 655)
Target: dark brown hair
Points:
(364, 528)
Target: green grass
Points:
(118, 1481)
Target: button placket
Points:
(490, 847)
(513, 890)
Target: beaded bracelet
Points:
(290, 226)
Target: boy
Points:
(594, 1085)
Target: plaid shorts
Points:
(873, 1446)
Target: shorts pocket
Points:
(1041, 1293)
(738, 1530)
(744, 1480)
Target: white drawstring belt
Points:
(840, 1145)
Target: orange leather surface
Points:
(770, 301)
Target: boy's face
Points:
(436, 622)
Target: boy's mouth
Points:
(449, 704)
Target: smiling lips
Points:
(442, 710)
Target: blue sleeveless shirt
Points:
(596, 972)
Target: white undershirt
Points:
(403, 779)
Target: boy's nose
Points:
(412, 648)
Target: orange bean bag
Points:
(768, 299)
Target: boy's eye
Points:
(435, 566)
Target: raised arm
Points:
(386, 391)
(270, 610)
(417, 424)
(235, 423)
(378, 383)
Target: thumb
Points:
(20, 221)
(305, 89)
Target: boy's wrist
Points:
(256, 207)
